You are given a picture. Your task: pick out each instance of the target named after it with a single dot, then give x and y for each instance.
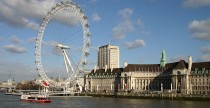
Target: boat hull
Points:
(38, 101)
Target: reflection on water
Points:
(87, 102)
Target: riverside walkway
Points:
(161, 96)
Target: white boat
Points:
(41, 97)
(35, 98)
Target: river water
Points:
(10, 101)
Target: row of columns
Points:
(146, 83)
(100, 84)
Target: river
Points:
(10, 101)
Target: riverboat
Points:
(35, 98)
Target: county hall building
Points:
(177, 77)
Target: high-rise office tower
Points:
(108, 57)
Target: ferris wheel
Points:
(63, 59)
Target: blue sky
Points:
(141, 28)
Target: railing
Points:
(62, 92)
(7, 86)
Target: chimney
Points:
(111, 68)
(95, 69)
(105, 68)
(189, 62)
(125, 64)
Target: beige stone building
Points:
(103, 80)
(177, 77)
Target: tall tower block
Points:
(108, 56)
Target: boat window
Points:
(42, 98)
(31, 97)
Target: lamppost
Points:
(191, 87)
(91, 83)
(179, 88)
(101, 84)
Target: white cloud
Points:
(200, 29)
(178, 58)
(205, 49)
(15, 40)
(96, 17)
(67, 18)
(195, 3)
(15, 49)
(57, 51)
(31, 40)
(11, 14)
(126, 13)
(140, 23)
(119, 32)
(143, 32)
(135, 44)
(26, 13)
(17, 70)
(203, 58)
(50, 43)
(127, 25)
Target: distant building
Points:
(108, 57)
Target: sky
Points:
(141, 29)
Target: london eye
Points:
(63, 57)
